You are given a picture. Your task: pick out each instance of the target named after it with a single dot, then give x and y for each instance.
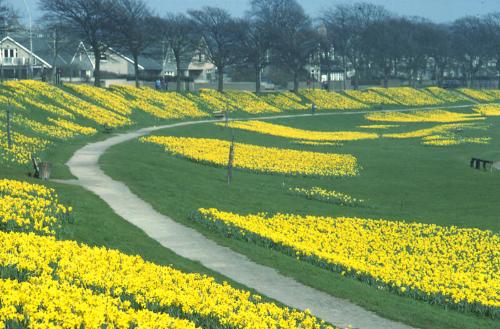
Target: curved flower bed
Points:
(451, 266)
(258, 158)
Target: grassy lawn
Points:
(401, 180)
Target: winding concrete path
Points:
(190, 244)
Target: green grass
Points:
(401, 179)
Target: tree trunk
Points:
(257, 80)
(498, 72)
(295, 82)
(344, 62)
(220, 71)
(97, 69)
(178, 78)
(136, 70)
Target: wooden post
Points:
(230, 162)
(9, 139)
(226, 117)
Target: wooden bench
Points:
(36, 167)
(107, 129)
(219, 114)
(478, 163)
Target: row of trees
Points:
(362, 38)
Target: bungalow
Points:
(114, 64)
(16, 60)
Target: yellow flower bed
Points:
(74, 127)
(321, 194)
(38, 93)
(164, 105)
(259, 158)
(103, 97)
(43, 303)
(487, 109)
(29, 207)
(407, 96)
(480, 95)
(439, 129)
(370, 97)
(266, 128)
(40, 128)
(378, 126)
(285, 101)
(328, 100)
(495, 93)
(422, 116)
(96, 285)
(447, 265)
(215, 100)
(449, 140)
(446, 95)
(22, 147)
(311, 143)
(250, 103)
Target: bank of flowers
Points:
(103, 97)
(285, 101)
(77, 286)
(370, 97)
(250, 103)
(271, 129)
(451, 266)
(329, 100)
(408, 96)
(26, 207)
(488, 110)
(258, 158)
(329, 196)
(447, 96)
(479, 95)
(422, 116)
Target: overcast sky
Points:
(437, 10)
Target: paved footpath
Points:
(192, 245)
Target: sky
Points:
(441, 11)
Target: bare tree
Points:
(88, 20)
(221, 34)
(58, 38)
(132, 30)
(345, 24)
(8, 18)
(493, 31)
(293, 38)
(182, 37)
(470, 40)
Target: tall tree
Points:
(8, 19)
(293, 38)
(221, 34)
(182, 37)
(87, 20)
(493, 47)
(132, 30)
(346, 24)
(470, 42)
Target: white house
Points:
(16, 60)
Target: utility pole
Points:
(31, 40)
(9, 139)
(230, 161)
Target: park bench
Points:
(478, 163)
(36, 167)
(107, 129)
(218, 114)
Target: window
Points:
(9, 53)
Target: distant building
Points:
(112, 64)
(195, 65)
(16, 59)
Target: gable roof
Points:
(26, 50)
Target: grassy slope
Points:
(402, 180)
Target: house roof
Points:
(33, 53)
